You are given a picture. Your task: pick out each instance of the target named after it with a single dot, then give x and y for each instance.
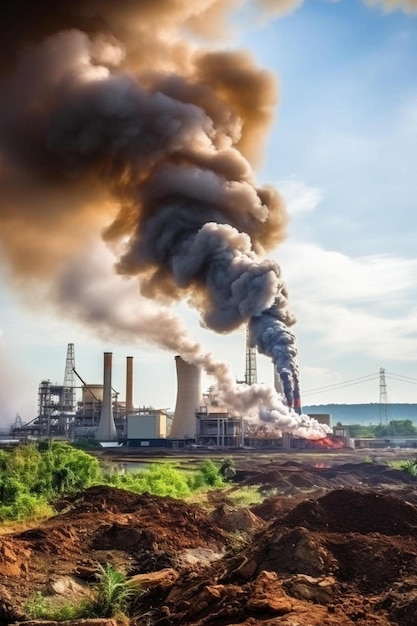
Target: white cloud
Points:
(329, 276)
(357, 331)
(352, 306)
(299, 197)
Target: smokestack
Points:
(129, 383)
(189, 398)
(277, 383)
(297, 397)
(106, 430)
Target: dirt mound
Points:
(345, 511)
(290, 478)
(313, 555)
(136, 533)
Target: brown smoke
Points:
(55, 186)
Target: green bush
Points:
(41, 608)
(410, 467)
(161, 479)
(32, 476)
(111, 596)
(207, 475)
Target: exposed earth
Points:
(334, 542)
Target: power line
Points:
(400, 377)
(362, 379)
(347, 383)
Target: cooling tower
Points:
(106, 430)
(129, 383)
(189, 399)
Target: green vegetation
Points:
(246, 496)
(398, 428)
(42, 608)
(111, 596)
(360, 431)
(395, 428)
(227, 469)
(33, 476)
(410, 467)
(163, 479)
(113, 593)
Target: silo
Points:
(189, 399)
(106, 429)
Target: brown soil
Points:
(328, 546)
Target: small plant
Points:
(228, 470)
(237, 540)
(208, 476)
(246, 496)
(112, 592)
(110, 597)
(42, 608)
(410, 467)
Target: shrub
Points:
(161, 479)
(207, 475)
(110, 597)
(33, 475)
(112, 592)
(41, 608)
(410, 467)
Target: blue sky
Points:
(343, 153)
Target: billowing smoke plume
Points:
(110, 122)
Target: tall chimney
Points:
(106, 430)
(129, 383)
(189, 399)
(277, 382)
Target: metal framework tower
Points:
(251, 376)
(383, 397)
(69, 403)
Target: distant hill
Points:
(364, 414)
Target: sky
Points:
(341, 149)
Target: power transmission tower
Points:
(251, 376)
(383, 398)
(68, 391)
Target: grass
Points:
(111, 596)
(41, 608)
(113, 592)
(246, 496)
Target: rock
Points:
(247, 569)
(165, 578)
(268, 595)
(231, 519)
(69, 588)
(319, 590)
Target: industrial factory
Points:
(101, 416)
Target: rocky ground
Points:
(333, 543)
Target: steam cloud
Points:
(111, 122)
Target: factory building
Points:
(99, 415)
(218, 429)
